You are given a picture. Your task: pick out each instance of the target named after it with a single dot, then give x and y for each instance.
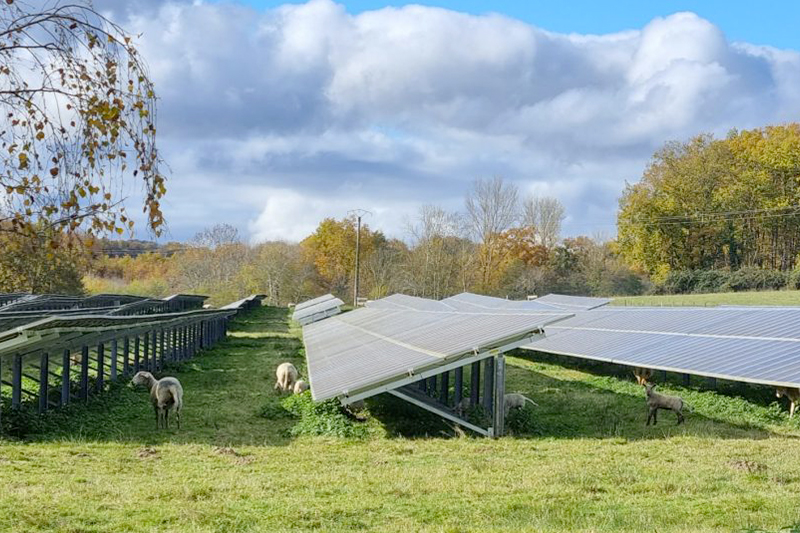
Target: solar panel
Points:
(575, 303)
(362, 350)
(315, 301)
(318, 311)
(468, 301)
(758, 345)
(414, 303)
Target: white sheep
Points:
(166, 395)
(300, 386)
(656, 401)
(792, 393)
(287, 375)
(514, 400)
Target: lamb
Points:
(166, 394)
(300, 386)
(514, 400)
(642, 375)
(287, 375)
(656, 401)
(792, 393)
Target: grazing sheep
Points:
(462, 407)
(165, 393)
(287, 375)
(656, 401)
(792, 393)
(514, 400)
(300, 386)
(642, 375)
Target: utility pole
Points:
(358, 213)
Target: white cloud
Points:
(278, 118)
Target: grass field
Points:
(721, 298)
(584, 462)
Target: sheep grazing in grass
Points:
(300, 386)
(642, 375)
(515, 400)
(656, 401)
(166, 395)
(792, 393)
(287, 374)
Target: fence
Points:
(51, 361)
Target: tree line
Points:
(499, 244)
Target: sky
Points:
(273, 116)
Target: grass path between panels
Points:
(586, 462)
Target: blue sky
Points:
(274, 116)
(773, 23)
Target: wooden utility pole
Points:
(358, 213)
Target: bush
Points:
(679, 282)
(323, 418)
(710, 280)
(793, 279)
(752, 278)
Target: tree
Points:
(331, 249)
(276, 270)
(440, 261)
(216, 236)
(708, 203)
(492, 207)
(544, 215)
(78, 119)
(27, 265)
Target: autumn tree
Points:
(29, 265)
(492, 207)
(709, 203)
(276, 270)
(78, 113)
(331, 249)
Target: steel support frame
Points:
(496, 386)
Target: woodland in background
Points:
(501, 245)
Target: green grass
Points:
(711, 299)
(582, 461)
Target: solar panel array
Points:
(758, 345)
(576, 303)
(317, 309)
(369, 347)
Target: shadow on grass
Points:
(596, 405)
(225, 391)
(608, 403)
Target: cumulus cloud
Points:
(276, 118)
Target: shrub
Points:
(323, 418)
(793, 279)
(710, 280)
(752, 278)
(679, 282)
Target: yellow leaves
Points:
(40, 136)
(23, 160)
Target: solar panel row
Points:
(758, 345)
(369, 347)
(317, 309)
